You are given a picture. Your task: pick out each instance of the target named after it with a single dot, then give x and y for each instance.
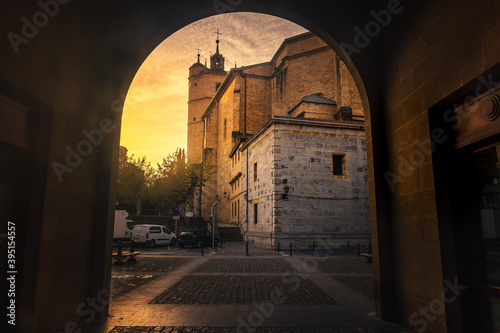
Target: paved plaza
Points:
(172, 290)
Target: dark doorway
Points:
(468, 199)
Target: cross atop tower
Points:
(217, 60)
(217, 41)
(218, 33)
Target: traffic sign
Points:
(176, 212)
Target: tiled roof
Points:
(315, 98)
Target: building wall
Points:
(229, 101)
(435, 59)
(210, 165)
(202, 87)
(307, 74)
(315, 110)
(246, 104)
(235, 196)
(259, 187)
(320, 207)
(349, 92)
(258, 102)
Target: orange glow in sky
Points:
(154, 119)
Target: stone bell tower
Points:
(203, 83)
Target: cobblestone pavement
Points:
(344, 265)
(293, 290)
(361, 283)
(351, 271)
(172, 329)
(245, 265)
(150, 264)
(122, 284)
(168, 291)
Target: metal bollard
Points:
(348, 246)
(291, 249)
(202, 247)
(359, 250)
(314, 247)
(246, 248)
(278, 247)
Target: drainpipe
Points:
(246, 233)
(203, 159)
(245, 106)
(245, 135)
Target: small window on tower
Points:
(338, 164)
(255, 176)
(255, 213)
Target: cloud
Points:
(155, 111)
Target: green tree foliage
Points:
(172, 184)
(134, 178)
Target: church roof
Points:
(316, 98)
(288, 41)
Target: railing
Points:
(318, 250)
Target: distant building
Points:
(285, 143)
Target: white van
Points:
(152, 235)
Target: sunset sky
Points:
(154, 119)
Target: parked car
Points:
(197, 238)
(152, 235)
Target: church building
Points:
(284, 142)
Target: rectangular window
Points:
(338, 162)
(155, 230)
(255, 213)
(255, 176)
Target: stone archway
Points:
(75, 60)
(79, 165)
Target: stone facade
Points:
(303, 80)
(295, 156)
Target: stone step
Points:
(231, 233)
